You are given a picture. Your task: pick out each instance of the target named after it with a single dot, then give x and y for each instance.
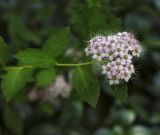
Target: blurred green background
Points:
(55, 109)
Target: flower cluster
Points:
(118, 49)
(59, 89)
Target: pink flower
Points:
(118, 49)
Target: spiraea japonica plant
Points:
(113, 52)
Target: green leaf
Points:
(86, 86)
(35, 58)
(58, 42)
(15, 80)
(121, 92)
(45, 77)
(12, 120)
(3, 52)
(18, 29)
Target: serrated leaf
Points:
(14, 81)
(35, 58)
(120, 92)
(57, 42)
(86, 86)
(3, 52)
(12, 120)
(45, 77)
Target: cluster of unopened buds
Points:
(118, 50)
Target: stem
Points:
(22, 67)
(79, 64)
(59, 65)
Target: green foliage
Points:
(25, 25)
(57, 42)
(121, 92)
(95, 19)
(86, 86)
(35, 58)
(12, 120)
(45, 77)
(52, 48)
(3, 52)
(19, 32)
(15, 80)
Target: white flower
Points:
(111, 82)
(98, 57)
(118, 49)
(126, 78)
